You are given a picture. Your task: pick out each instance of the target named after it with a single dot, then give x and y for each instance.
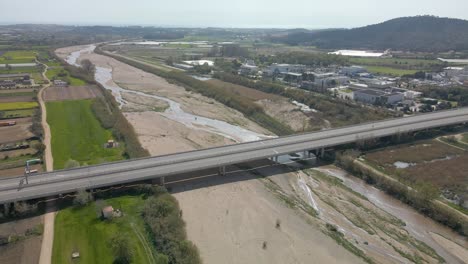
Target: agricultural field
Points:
(78, 135)
(389, 70)
(20, 131)
(81, 230)
(61, 74)
(12, 57)
(434, 162)
(28, 235)
(17, 105)
(55, 93)
(397, 66)
(397, 62)
(16, 113)
(20, 95)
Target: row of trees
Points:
(107, 110)
(109, 115)
(338, 112)
(457, 94)
(163, 219)
(251, 110)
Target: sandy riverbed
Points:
(157, 133)
(230, 222)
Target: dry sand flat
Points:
(454, 248)
(162, 136)
(230, 222)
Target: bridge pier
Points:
(322, 153)
(222, 171)
(6, 209)
(163, 181)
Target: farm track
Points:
(49, 218)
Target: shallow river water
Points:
(174, 112)
(417, 224)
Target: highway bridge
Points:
(105, 175)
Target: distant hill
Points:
(420, 33)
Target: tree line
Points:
(251, 110)
(109, 115)
(338, 112)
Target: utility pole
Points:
(27, 170)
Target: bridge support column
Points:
(308, 154)
(304, 154)
(6, 209)
(222, 171)
(163, 181)
(275, 159)
(322, 153)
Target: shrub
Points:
(70, 164)
(82, 198)
(162, 217)
(122, 249)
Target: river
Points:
(175, 112)
(417, 224)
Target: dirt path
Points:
(49, 218)
(448, 144)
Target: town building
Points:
(248, 68)
(353, 70)
(370, 96)
(277, 69)
(453, 71)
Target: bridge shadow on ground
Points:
(235, 173)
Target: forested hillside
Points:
(421, 33)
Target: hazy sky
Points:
(222, 13)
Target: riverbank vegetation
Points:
(109, 115)
(422, 197)
(338, 112)
(249, 109)
(147, 228)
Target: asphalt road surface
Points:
(66, 181)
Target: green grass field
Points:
(54, 73)
(11, 57)
(78, 135)
(17, 106)
(20, 70)
(80, 230)
(395, 62)
(16, 113)
(389, 70)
